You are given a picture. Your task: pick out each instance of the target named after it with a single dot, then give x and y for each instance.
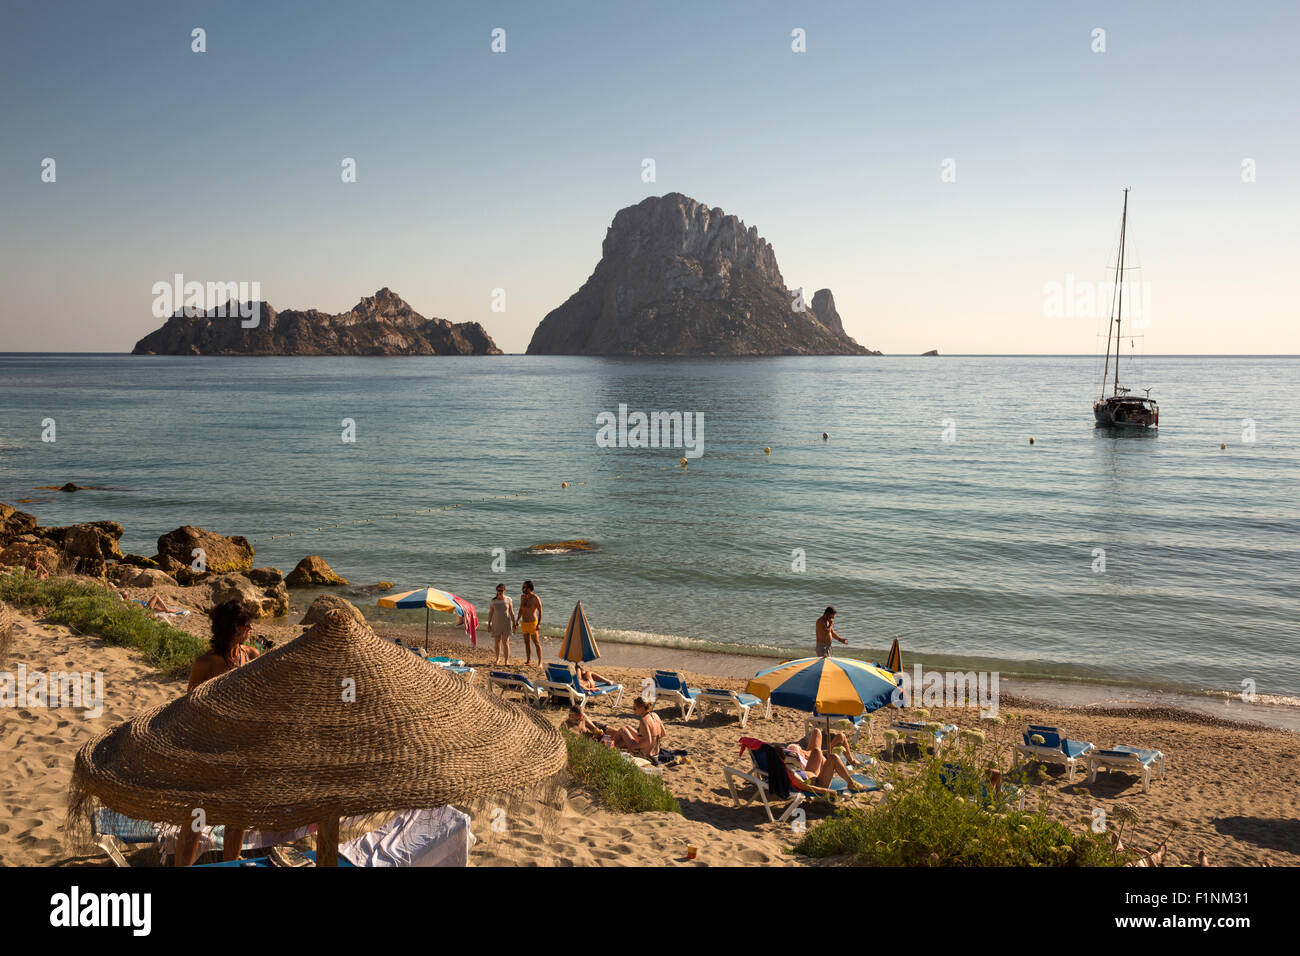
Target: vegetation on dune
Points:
(99, 611)
(620, 784)
(948, 814)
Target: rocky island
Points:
(678, 278)
(381, 324)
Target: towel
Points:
(438, 837)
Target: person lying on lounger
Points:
(838, 740)
(647, 737)
(580, 723)
(588, 679)
(820, 768)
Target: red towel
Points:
(469, 616)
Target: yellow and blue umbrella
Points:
(427, 598)
(579, 643)
(825, 686)
(895, 662)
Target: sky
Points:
(952, 171)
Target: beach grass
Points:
(621, 786)
(99, 611)
(925, 821)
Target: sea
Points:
(965, 505)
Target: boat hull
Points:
(1134, 414)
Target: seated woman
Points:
(647, 737)
(838, 741)
(232, 624)
(588, 679)
(580, 723)
(820, 768)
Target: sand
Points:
(1235, 790)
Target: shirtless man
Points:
(825, 633)
(530, 622)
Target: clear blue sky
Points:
(479, 170)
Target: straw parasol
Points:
(336, 723)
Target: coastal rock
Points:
(14, 523)
(564, 547)
(69, 487)
(381, 324)
(97, 539)
(312, 570)
(678, 278)
(221, 554)
(330, 602)
(22, 551)
(133, 577)
(823, 306)
(260, 601)
(138, 561)
(931, 352)
(265, 577)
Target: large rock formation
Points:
(176, 551)
(313, 570)
(678, 278)
(382, 324)
(823, 306)
(75, 549)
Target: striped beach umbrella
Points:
(825, 686)
(579, 643)
(894, 664)
(431, 599)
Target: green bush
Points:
(620, 784)
(929, 821)
(99, 611)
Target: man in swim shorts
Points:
(825, 632)
(530, 622)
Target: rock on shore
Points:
(313, 571)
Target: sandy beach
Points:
(1235, 789)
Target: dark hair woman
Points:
(232, 625)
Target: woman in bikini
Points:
(647, 737)
(820, 768)
(588, 679)
(232, 625)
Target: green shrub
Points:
(927, 821)
(620, 784)
(99, 611)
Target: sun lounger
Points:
(1135, 760)
(1055, 748)
(507, 681)
(451, 664)
(562, 682)
(909, 730)
(951, 773)
(741, 703)
(759, 778)
(672, 685)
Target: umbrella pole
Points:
(426, 630)
(327, 842)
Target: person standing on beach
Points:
(826, 632)
(501, 621)
(530, 622)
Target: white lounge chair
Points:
(909, 730)
(741, 703)
(562, 682)
(672, 685)
(1135, 760)
(1055, 748)
(757, 778)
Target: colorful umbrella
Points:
(895, 662)
(825, 686)
(427, 598)
(579, 643)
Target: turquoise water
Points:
(977, 551)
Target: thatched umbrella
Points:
(336, 723)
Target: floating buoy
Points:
(1223, 448)
(767, 451)
(683, 462)
(564, 484)
(825, 437)
(1031, 441)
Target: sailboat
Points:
(1120, 409)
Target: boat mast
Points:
(1119, 284)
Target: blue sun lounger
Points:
(672, 685)
(741, 703)
(1056, 748)
(1135, 760)
(561, 681)
(519, 683)
(759, 778)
